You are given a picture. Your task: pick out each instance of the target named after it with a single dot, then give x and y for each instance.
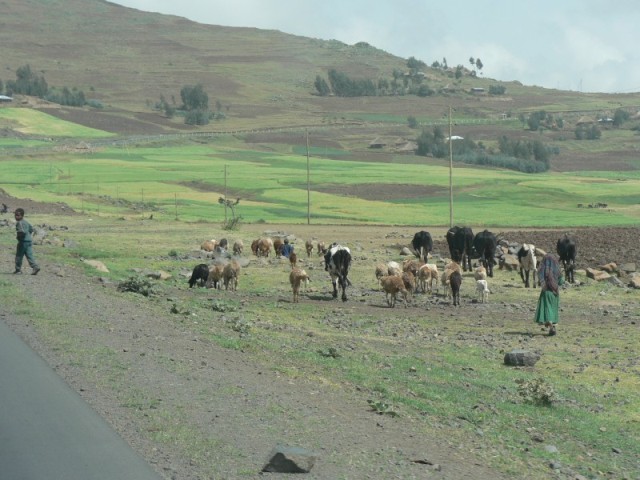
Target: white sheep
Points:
(482, 289)
(393, 268)
(480, 273)
(392, 284)
(528, 263)
(298, 277)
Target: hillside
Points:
(261, 79)
(127, 59)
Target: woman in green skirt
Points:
(550, 277)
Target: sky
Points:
(579, 45)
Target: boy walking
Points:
(24, 232)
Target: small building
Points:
(5, 99)
(477, 91)
(378, 143)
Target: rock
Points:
(284, 459)
(521, 358)
(628, 267)
(509, 262)
(405, 251)
(615, 281)
(597, 275)
(635, 282)
(609, 267)
(98, 265)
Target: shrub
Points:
(140, 285)
(536, 392)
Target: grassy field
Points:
(276, 182)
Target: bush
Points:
(140, 285)
(92, 102)
(536, 392)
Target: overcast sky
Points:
(580, 45)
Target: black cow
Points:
(422, 244)
(567, 250)
(484, 248)
(337, 261)
(455, 281)
(460, 241)
(200, 274)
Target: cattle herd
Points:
(412, 276)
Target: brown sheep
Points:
(412, 265)
(254, 247)
(215, 276)
(293, 259)
(455, 281)
(409, 281)
(392, 284)
(230, 275)
(277, 246)
(308, 245)
(321, 248)
(381, 271)
(209, 245)
(238, 246)
(298, 277)
(265, 244)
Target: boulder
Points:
(609, 267)
(284, 459)
(521, 358)
(635, 282)
(406, 251)
(509, 262)
(628, 267)
(597, 275)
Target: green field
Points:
(184, 179)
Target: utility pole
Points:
(225, 194)
(308, 183)
(450, 172)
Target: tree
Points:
(472, 61)
(415, 64)
(322, 86)
(619, 117)
(459, 72)
(412, 121)
(194, 98)
(479, 64)
(231, 224)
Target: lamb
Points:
(199, 275)
(308, 245)
(230, 275)
(297, 278)
(428, 275)
(392, 284)
(321, 248)
(449, 269)
(482, 289)
(455, 281)
(215, 276)
(293, 259)
(412, 265)
(480, 273)
(381, 271)
(238, 246)
(409, 281)
(254, 247)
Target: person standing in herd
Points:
(550, 277)
(24, 232)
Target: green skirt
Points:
(548, 307)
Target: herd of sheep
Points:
(414, 275)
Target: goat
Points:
(199, 275)
(392, 285)
(528, 263)
(455, 281)
(482, 289)
(298, 277)
(449, 269)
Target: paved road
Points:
(47, 432)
